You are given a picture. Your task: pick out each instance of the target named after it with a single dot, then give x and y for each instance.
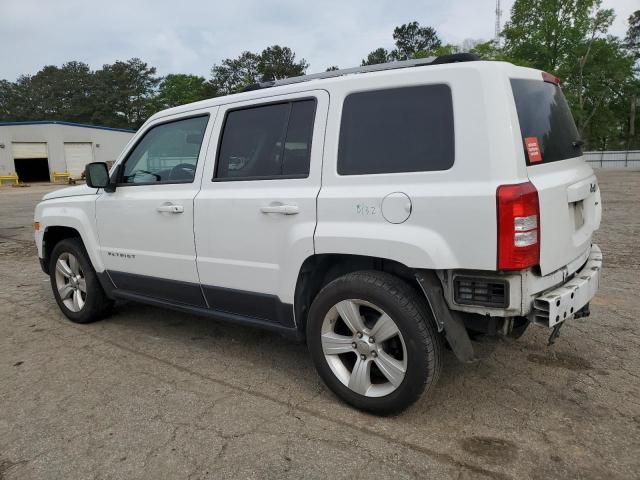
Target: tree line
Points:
(600, 73)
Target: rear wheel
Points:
(75, 284)
(373, 342)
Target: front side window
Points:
(407, 129)
(267, 142)
(168, 153)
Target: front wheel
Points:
(373, 341)
(75, 284)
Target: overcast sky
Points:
(188, 36)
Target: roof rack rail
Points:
(418, 62)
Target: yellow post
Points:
(12, 178)
(56, 175)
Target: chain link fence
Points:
(614, 159)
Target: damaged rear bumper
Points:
(563, 302)
(525, 293)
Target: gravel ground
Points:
(150, 393)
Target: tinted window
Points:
(167, 153)
(270, 141)
(297, 146)
(397, 130)
(545, 119)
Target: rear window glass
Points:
(397, 130)
(548, 131)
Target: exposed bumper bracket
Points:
(568, 300)
(555, 333)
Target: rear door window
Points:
(407, 129)
(549, 133)
(267, 142)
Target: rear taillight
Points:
(518, 226)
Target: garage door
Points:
(77, 155)
(29, 150)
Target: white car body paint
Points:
(223, 239)
(243, 248)
(129, 224)
(76, 212)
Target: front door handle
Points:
(170, 208)
(281, 209)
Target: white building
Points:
(35, 150)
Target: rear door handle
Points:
(281, 209)
(170, 208)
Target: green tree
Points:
(411, 38)
(234, 74)
(12, 102)
(411, 41)
(332, 68)
(446, 49)
(46, 90)
(77, 88)
(600, 93)
(6, 97)
(278, 62)
(15, 99)
(544, 34)
(569, 39)
(632, 40)
(273, 63)
(379, 55)
(179, 89)
(123, 92)
(51, 94)
(632, 43)
(489, 50)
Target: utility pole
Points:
(498, 16)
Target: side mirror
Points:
(97, 175)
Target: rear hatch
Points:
(570, 207)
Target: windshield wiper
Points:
(577, 143)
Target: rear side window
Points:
(267, 142)
(548, 131)
(396, 130)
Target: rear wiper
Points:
(577, 143)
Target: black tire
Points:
(413, 319)
(96, 305)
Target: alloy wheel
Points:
(71, 282)
(364, 348)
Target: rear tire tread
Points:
(416, 310)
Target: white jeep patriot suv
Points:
(377, 212)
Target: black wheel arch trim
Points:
(448, 320)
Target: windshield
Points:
(548, 131)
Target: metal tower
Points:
(498, 16)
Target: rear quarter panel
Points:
(453, 221)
